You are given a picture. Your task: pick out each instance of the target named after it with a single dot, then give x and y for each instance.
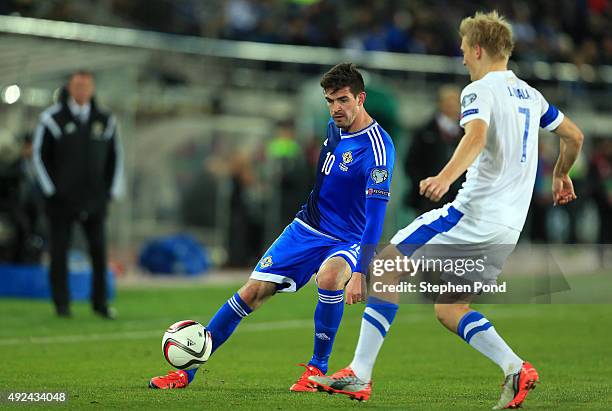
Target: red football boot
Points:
(344, 382)
(517, 386)
(174, 379)
(303, 384)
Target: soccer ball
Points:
(186, 344)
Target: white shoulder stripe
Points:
(118, 185)
(382, 145)
(378, 148)
(41, 172)
(374, 149)
(50, 123)
(110, 127)
(52, 110)
(381, 148)
(46, 118)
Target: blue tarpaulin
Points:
(177, 254)
(32, 281)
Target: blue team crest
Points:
(266, 262)
(468, 99)
(347, 157)
(379, 175)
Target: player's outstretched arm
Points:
(570, 146)
(470, 146)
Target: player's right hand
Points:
(563, 190)
(355, 289)
(434, 188)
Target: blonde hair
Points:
(490, 31)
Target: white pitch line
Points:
(139, 335)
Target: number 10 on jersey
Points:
(328, 163)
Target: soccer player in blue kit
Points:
(345, 209)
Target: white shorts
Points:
(448, 232)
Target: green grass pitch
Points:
(102, 364)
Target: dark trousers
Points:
(60, 228)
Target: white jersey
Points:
(500, 182)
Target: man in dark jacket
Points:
(79, 165)
(432, 147)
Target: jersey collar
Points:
(344, 135)
(500, 73)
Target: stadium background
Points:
(221, 116)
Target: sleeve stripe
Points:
(47, 120)
(550, 116)
(43, 177)
(382, 145)
(380, 152)
(110, 128)
(374, 149)
(117, 187)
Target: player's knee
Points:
(328, 281)
(334, 274)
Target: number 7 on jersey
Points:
(525, 111)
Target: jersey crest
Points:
(347, 157)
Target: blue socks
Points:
(223, 324)
(191, 375)
(377, 319)
(327, 317)
(227, 319)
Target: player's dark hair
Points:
(343, 75)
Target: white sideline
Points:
(137, 335)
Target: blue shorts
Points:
(298, 253)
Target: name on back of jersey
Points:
(521, 93)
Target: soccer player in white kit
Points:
(501, 115)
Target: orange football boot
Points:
(516, 387)
(174, 379)
(303, 384)
(344, 382)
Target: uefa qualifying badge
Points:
(379, 175)
(468, 99)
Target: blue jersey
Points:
(351, 168)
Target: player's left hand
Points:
(434, 188)
(355, 289)
(563, 190)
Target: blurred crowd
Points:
(566, 30)
(267, 183)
